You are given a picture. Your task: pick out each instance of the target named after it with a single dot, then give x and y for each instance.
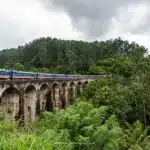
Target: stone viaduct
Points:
(25, 99)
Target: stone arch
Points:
(85, 84)
(30, 103)
(29, 84)
(55, 95)
(72, 92)
(44, 86)
(55, 84)
(11, 103)
(72, 84)
(7, 87)
(45, 98)
(64, 95)
(79, 88)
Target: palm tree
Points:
(136, 137)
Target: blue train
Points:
(14, 74)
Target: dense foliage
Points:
(60, 56)
(113, 113)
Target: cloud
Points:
(25, 20)
(100, 19)
(94, 18)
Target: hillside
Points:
(62, 56)
(111, 113)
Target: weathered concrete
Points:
(26, 98)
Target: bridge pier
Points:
(30, 103)
(56, 95)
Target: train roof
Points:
(4, 70)
(24, 72)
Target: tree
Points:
(78, 55)
(18, 66)
(135, 137)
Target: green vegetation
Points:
(111, 114)
(60, 56)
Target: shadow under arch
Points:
(85, 84)
(45, 100)
(11, 102)
(55, 86)
(72, 89)
(64, 95)
(79, 88)
(30, 103)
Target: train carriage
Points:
(24, 75)
(60, 76)
(52, 76)
(44, 75)
(4, 74)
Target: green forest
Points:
(70, 57)
(112, 113)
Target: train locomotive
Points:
(14, 74)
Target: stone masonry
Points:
(25, 99)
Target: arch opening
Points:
(85, 84)
(79, 88)
(72, 92)
(64, 95)
(30, 103)
(11, 104)
(45, 98)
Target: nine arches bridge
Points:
(25, 98)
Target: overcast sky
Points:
(22, 21)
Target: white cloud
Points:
(25, 20)
(129, 19)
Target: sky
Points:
(22, 21)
